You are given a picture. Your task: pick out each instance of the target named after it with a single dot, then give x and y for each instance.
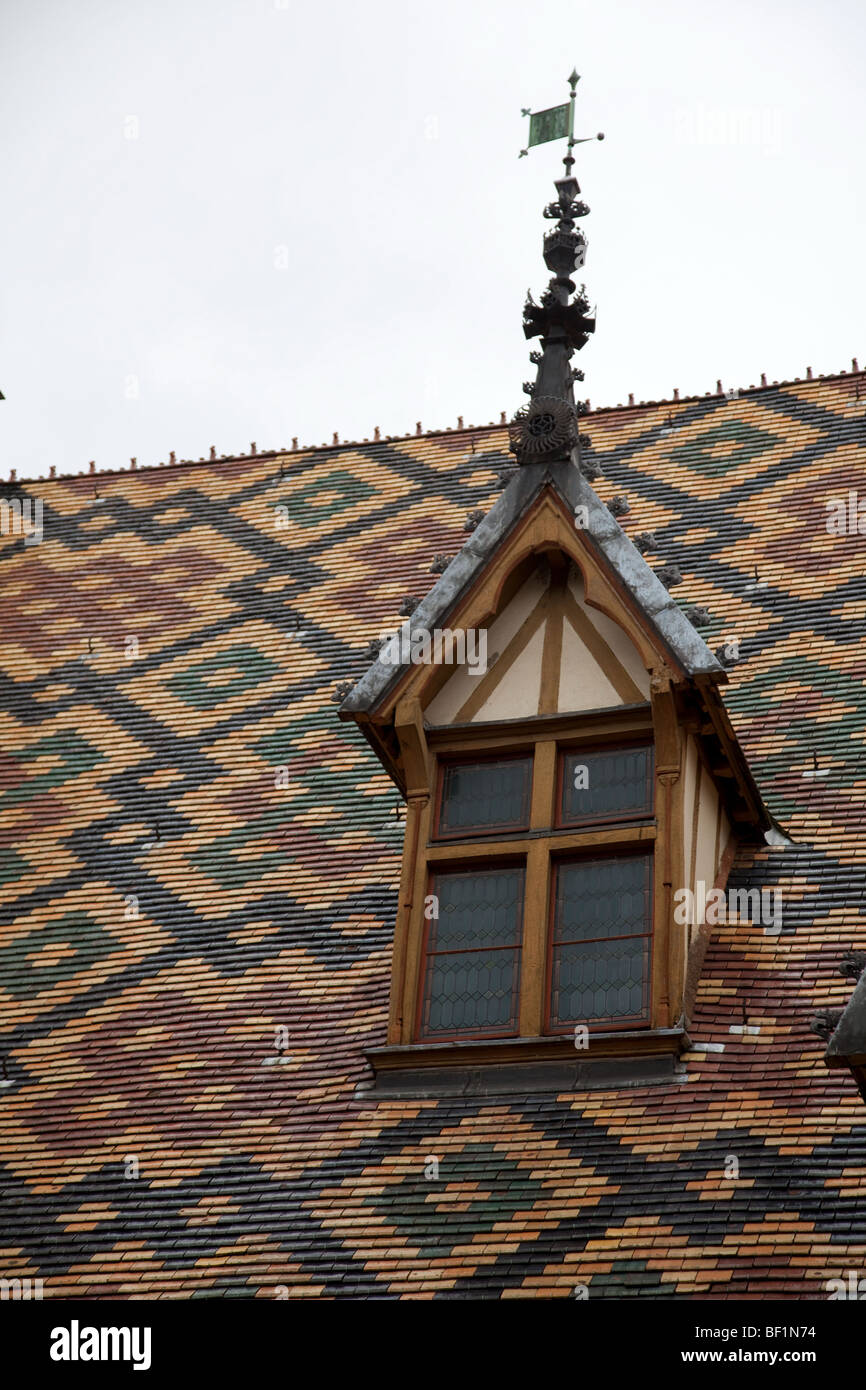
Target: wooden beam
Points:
(397, 1032)
(551, 657)
(544, 771)
(417, 764)
(533, 975)
(660, 1001)
(519, 733)
(415, 924)
(561, 841)
(665, 723)
(732, 752)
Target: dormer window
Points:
(556, 801)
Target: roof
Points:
(168, 907)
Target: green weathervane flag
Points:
(556, 123)
(553, 124)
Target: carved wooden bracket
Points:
(409, 726)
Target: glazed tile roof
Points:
(171, 898)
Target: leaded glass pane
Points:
(472, 962)
(601, 898)
(471, 991)
(600, 979)
(488, 795)
(601, 940)
(477, 910)
(606, 783)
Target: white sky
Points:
(371, 148)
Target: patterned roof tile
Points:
(172, 905)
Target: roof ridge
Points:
(337, 445)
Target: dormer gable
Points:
(547, 650)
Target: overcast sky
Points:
(237, 220)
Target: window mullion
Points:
(533, 966)
(543, 785)
(533, 971)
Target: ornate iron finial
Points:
(548, 426)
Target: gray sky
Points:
(236, 220)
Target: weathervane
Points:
(556, 123)
(548, 427)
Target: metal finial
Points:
(547, 427)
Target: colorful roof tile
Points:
(200, 866)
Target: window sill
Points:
(642, 1057)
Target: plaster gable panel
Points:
(708, 817)
(612, 634)
(582, 683)
(516, 695)
(445, 706)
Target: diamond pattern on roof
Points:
(167, 906)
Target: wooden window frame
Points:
(509, 1032)
(609, 1025)
(478, 833)
(599, 746)
(537, 849)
